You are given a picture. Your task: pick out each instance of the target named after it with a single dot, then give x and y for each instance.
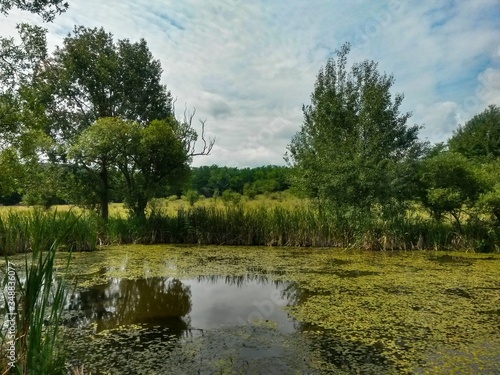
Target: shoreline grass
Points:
(33, 299)
(259, 224)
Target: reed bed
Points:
(299, 227)
(24, 231)
(242, 225)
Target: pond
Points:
(237, 310)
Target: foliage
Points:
(450, 184)
(479, 138)
(21, 111)
(192, 197)
(92, 77)
(9, 172)
(489, 200)
(21, 232)
(47, 9)
(149, 159)
(231, 197)
(360, 312)
(354, 148)
(248, 181)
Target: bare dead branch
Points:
(189, 135)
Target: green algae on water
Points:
(360, 312)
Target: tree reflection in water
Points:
(120, 302)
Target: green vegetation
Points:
(91, 124)
(35, 297)
(354, 149)
(77, 131)
(47, 9)
(238, 221)
(22, 232)
(210, 180)
(479, 138)
(94, 115)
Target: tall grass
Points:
(247, 225)
(20, 232)
(279, 226)
(37, 303)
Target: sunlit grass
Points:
(172, 205)
(278, 219)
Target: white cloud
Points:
(248, 67)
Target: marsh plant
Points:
(21, 232)
(302, 227)
(34, 308)
(404, 228)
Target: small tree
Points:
(150, 159)
(231, 197)
(450, 184)
(249, 190)
(192, 197)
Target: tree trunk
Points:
(140, 207)
(104, 194)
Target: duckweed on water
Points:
(357, 312)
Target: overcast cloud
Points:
(249, 66)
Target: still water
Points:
(162, 325)
(236, 310)
(190, 305)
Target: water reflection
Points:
(183, 305)
(155, 301)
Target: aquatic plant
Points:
(20, 232)
(360, 311)
(249, 225)
(34, 300)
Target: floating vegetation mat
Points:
(354, 312)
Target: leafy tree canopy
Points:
(354, 148)
(151, 160)
(91, 76)
(479, 138)
(450, 183)
(47, 9)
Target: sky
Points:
(248, 67)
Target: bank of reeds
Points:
(33, 300)
(240, 225)
(300, 227)
(20, 232)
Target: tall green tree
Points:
(22, 111)
(479, 138)
(99, 90)
(91, 76)
(354, 148)
(23, 120)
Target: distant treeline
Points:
(206, 180)
(213, 180)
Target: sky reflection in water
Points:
(194, 304)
